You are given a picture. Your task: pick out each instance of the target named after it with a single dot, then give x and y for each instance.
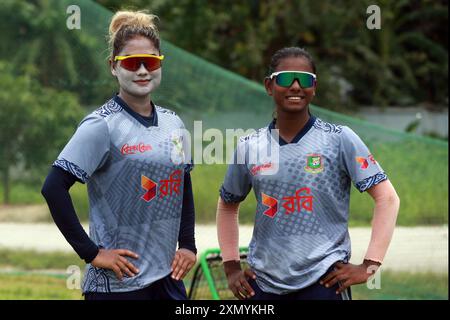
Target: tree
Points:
(35, 123)
(36, 40)
(404, 60)
(404, 63)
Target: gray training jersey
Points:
(135, 179)
(301, 222)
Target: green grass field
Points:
(35, 287)
(29, 281)
(29, 260)
(406, 286)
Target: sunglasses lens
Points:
(286, 79)
(131, 64)
(134, 63)
(152, 63)
(306, 80)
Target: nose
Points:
(295, 85)
(142, 69)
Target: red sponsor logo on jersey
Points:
(365, 161)
(166, 186)
(272, 203)
(299, 201)
(150, 187)
(262, 167)
(302, 199)
(136, 148)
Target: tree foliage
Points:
(35, 123)
(37, 42)
(403, 63)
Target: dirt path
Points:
(27, 213)
(412, 248)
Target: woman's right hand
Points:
(237, 279)
(115, 260)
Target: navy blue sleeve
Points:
(56, 192)
(186, 236)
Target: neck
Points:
(289, 124)
(141, 105)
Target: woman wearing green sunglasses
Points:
(140, 194)
(300, 247)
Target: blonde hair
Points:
(125, 25)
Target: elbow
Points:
(45, 190)
(390, 201)
(390, 197)
(49, 187)
(395, 199)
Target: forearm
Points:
(383, 224)
(56, 192)
(228, 230)
(186, 237)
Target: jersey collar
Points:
(151, 121)
(299, 135)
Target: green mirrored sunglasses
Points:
(286, 78)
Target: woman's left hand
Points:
(348, 274)
(183, 261)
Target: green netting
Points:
(76, 60)
(209, 281)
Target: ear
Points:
(112, 67)
(268, 85)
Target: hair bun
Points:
(127, 24)
(133, 19)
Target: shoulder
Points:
(169, 116)
(349, 134)
(327, 127)
(108, 109)
(98, 119)
(164, 110)
(250, 141)
(253, 135)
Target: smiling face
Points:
(295, 98)
(141, 82)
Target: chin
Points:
(293, 108)
(140, 93)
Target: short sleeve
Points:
(237, 183)
(358, 161)
(87, 150)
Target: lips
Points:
(141, 82)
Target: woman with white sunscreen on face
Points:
(141, 217)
